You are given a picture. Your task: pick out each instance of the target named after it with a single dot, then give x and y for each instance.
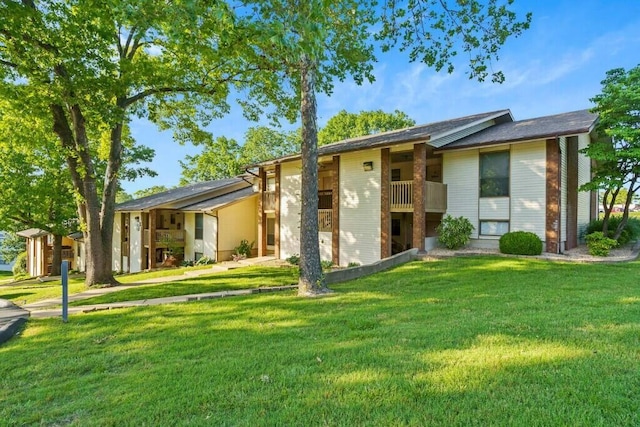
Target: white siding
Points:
(116, 243)
(460, 173)
(359, 208)
(325, 245)
(189, 237)
(237, 222)
(528, 193)
(584, 176)
(135, 245)
(494, 208)
(563, 191)
(290, 203)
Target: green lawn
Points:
(6, 276)
(466, 341)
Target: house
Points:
(204, 219)
(381, 194)
(40, 251)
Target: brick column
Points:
(262, 223)
(276, 231)
(335, 211)
(152, 239)
(419, 179)
(385, 208)
(552, 221)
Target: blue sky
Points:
(554, 67)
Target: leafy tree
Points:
(314, 42)
(346, 125)
(10, 246)
(223, 157)
(155, 189)
(122, 196)
(616, 151)
(88, 66)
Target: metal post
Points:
(65, 290)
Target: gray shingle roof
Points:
(571, 123)
(175, 195)
(220, 201)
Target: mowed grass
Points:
(457, 342)
(241, 278)
(6, 276)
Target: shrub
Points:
(294, 259)
(599, 244)
(353, 264)
(454, 233)
(20, 267)
(326, 265)
(630, 232)
(520, 243)
(243, 250)
(204, 260)
(187, 263)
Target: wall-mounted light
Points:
(367, 166)
(136, 223)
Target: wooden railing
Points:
(325, 217)
(161, 236)
(401, 196)
(269, 201)
(64, 254)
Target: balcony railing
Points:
(401, 196)
(269, 201)
(64, 254)
(325, 217)
(162, 236)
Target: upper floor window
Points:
(494, 174)
(199, 226)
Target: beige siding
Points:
(209, 234)
(528, 193)
(359, 208)
(325, 245)
(116, 243)
(237, 222)
(584, 176)
(189, 236)
(460, 173)
(290, 203)
(493, 208)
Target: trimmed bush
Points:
(630, 232)
(599, 244)
(453, 232)
(520, 243)
(20, 267)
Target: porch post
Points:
(552, 217)
(385, 214)
(335, 211)
(152, 239)
(262, 224)
(419, 179)
(276, 231)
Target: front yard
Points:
(465, 341)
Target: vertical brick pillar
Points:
(335, 211)
(276, 231)
(152, 239)
(552, 217)
(262, 223)
(419, 179)
(385, 214)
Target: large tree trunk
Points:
(57, 255)
(311, 280)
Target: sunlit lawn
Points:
(5, 276)
(467, 341)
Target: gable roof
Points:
(426, 132)
(572, 123)
(220, 201)
(32, 233)
(185, 196)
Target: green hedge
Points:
(520, 243)
(630, 232)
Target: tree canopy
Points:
(346, 125)
(616, 151)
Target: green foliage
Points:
(454, 233)
(187, 263)
(599, 244)
(20, 267)
(11, 245)
(243, 250)
(294, 259)
(204, 260)
(520, 243)
(326, 265)
(353, 264)
(630, 231)
(150, 191)
(346, 125)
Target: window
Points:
(494, 228)
(199, 226)
(395, 175)
(197, 256)
(494, 174)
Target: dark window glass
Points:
(199, 226)
(494, 174)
